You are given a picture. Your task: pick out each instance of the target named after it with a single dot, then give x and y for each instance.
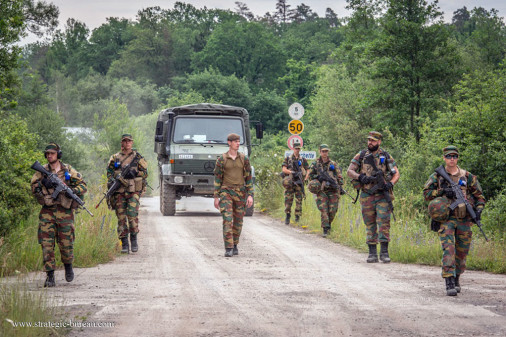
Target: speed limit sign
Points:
(295, 127)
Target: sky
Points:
(94, 12)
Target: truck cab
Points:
(188, 140)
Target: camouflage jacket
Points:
(367, 169)
(219, 173)
(319, 164)
(472, 190)
(289, 162)
(67, 175)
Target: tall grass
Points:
(96, 240)
(412, 241)
(18, 304)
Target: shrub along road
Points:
(285, 282)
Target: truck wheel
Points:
(249, 211)
(167, 199)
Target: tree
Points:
(244, 11)
(414, 64)
(283, 12)
(489, 34)
(106, 43)
(246, 49)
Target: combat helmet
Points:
(314, 186)
(439, 209)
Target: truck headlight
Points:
(178, 179)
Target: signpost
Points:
(292, 139)
(295, 127)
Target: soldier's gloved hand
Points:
(478, 213)
(389, 186)
(365, 179)
(435, 226)
(448, 191)
(47, 183)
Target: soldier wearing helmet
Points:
(454, 227)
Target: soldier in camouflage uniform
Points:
(233, 191)
(125, 201)
(455, 229)
(56, 218)
(376, 210)
(327, 197)
(289, 167)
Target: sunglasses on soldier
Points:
(452, 156)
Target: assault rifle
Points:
(298, 179)
(380, 181)
(460, 198)
(118, 181)
(58, 185)
(324, 177)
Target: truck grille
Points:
(194, 166)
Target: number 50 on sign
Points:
(295, 127)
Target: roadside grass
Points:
(96, 240)
(412, 241)
(19, 305)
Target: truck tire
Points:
(249, 211)
(167, 199)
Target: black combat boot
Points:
(50, 279)
(235, 251)
(69, 273)
(124, 245)
(384, 252)
(133, 242)
(297, 218)
(325, 231)
(373, 254)
(287, 219)
(457, 283)
(450, 286)
(229, 252)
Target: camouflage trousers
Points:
(290, 193)
(327, 202)
(56, 222)
(455, 236)
(232, 208)
(376, 215)
(126, 206)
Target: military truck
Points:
(188, 141)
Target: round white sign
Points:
(296, 111)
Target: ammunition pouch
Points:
(460, 211)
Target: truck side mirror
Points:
(259, 130)
(159, 131)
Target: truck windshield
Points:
(206, 129)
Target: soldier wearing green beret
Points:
(56, 218)
(327, 194)
(125, 201)
(454, 227)
(294, 168)
(364, 170)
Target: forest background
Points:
(393, 66)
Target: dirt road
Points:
(285, 282)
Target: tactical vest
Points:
(45, 199)
(288, 178)
(319, 165)
(461, 211)
(368, 169)
(131, 185)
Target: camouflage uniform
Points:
(327, 199)
(292, 189)
(232, 196)
(56, 218)
(455, 233)
(125, 201)
(375, 209)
